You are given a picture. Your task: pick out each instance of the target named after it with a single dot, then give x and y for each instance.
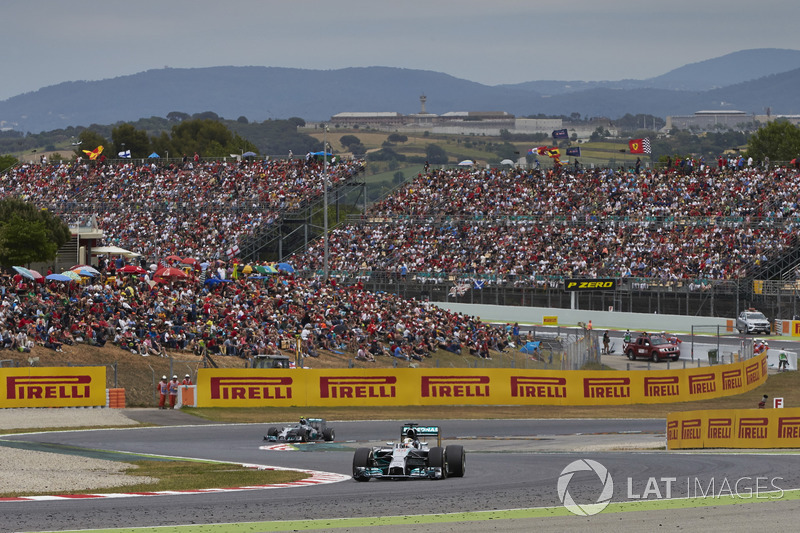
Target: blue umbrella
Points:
(153, 155)
(286, 267)
(214, 281)
(249, 154)
(58, 277)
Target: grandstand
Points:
(698, 242)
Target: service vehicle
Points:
(309, 429)
(410, 457)
(653, 347)
(752, 321)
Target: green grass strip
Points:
(477, 516)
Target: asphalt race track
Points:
(511, 464)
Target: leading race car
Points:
(410, 457)
(309, 429)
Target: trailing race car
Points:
(307, 430)
(410, 458)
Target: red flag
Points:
(639, 146)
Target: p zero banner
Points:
(472, 386)
(73, 386)
(734, 428)
(590, 284)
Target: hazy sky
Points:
(45, 42)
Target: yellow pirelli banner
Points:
(472, 386)
(73, 386)
(734, 428)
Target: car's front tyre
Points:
(456, 460)
(362, 459)
(438, 459)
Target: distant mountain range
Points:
(749, 81)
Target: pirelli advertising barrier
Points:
(734, 428)
(504, 386)
(62, 386)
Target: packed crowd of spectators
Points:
(242, 317)
(707, 222)
(187, 209)
(710, 223)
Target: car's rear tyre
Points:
(328, 434)
(456, 460)
(361, 459)
(631, 355)
(272, 432)
(438, 459)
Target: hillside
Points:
(262, 93)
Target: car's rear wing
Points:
(422, 431)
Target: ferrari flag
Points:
(639, 146)
(553, 152)
(94, 154)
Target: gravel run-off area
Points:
(29, 472)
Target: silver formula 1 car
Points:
(410, 458)
(309, 429)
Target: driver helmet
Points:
(406, 443)
(304, 421)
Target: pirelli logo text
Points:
(691, 429)
(661, 386)
(606, 387)
(752, 373)
(789, 427)
(48, 387)
(538, 387)
(251, 388)
(358, 387)
(732, 379)
(720, 428)
(753, 428)
(455, 387)
(702, 383)
(673, 431)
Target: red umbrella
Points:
(189, 261)
(173, 259)
(132, 269)
(36, 275)
(170, 272)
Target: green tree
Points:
(397, 138)
(779, 140)
(29, 234)
(7, 161)
(435, 154)
(127, 137)
(89, 140)
(348, 140)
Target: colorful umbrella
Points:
(85, 272)
(170, 272)
(57, 277)
(266, 269)
(71, 275)
(286, 267)
(132, 269)
(247, 269)
(24, 272)
(36, 275)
